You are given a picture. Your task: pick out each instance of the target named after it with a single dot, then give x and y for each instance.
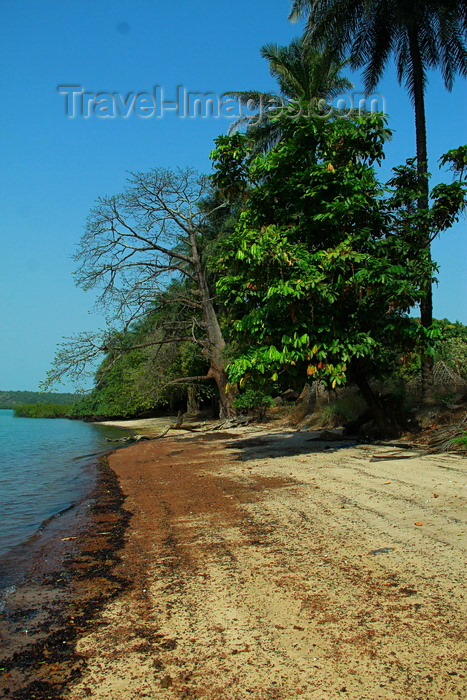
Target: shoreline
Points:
(262, 563)
(64, 586)
(20, 562)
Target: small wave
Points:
(45, 469)
(4, 593)
(87, 456)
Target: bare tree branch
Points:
(184, 380)
(135, 246)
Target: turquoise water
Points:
(46, 467)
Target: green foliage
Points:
(325, 262)
(452, 346)
(132, 380)
(314, 277)
(420, 36)
(136, 382)
(461, 441)
(42, 410)
(457, 159)
(252, 399)
(303, 74)
(231, 158)
(343, 410)
(118, 392)
(447, 202)
(448, 345)
(10, 399)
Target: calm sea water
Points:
(46, 466)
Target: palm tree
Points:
(421, 34)
(302, 74)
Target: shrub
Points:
(343, 410)
(42, 410)
(253, 399)
(460, 441)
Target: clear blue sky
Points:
(54, 167)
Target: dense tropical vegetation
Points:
(10, 399)
(43, 410)
(292, 262)
(324, 266)
(422, 36)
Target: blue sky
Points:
(54, 167)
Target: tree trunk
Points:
(215, 342)
(371, 400)
(192, 405)
(426, 305)
(226, 397)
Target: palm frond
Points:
(303, 73)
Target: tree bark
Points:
(426, 305)
(226, 397)
(373, 404)
(192, 405)
(215, 342)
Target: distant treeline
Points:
(42, 410)
(12, 399)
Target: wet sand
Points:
(64, 580)
(265, 564)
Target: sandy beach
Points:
(261, 562)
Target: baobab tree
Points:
(134, 245)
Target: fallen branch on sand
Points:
(444, 439)
(226, 423)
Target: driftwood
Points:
(389, 456)
(171, 426)
(198, 427)
(443, 439)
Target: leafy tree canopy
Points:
(319, 274)
(420, 35)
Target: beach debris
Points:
(197, 427)
(382, 550)
(445, 438)
(65, 539)
(389, 456)
(418, 524)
